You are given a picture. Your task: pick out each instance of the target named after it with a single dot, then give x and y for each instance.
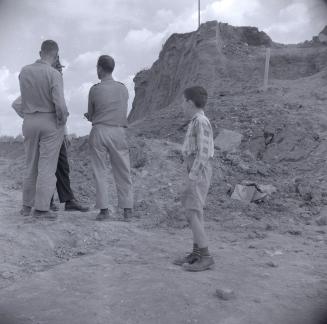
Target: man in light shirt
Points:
(107, 110)
(65, 192)
(45, 114)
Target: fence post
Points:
(265, 82)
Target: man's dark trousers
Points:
(64, 190)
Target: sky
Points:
(132, 31)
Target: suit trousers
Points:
(42, 142)
(64, 190)
(111, 140)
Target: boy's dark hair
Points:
(107, 63)
(49, 46)
(198, 95)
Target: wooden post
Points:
(199, 9)
(265, 82)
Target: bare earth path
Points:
(75, 270)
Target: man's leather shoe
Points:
(74, 205)
(128, 213)
(53, 206)
(26, 210)
(103, 215)
(39, 214)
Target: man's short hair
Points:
(49, 46)
(198, 95)
(107, 63)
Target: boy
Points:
(198, 150)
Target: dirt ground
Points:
(77, 270)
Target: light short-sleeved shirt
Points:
(108, 102)
(42, 90)
(198, 142)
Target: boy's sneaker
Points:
(189, 258)
(39, 214)
(204, 263)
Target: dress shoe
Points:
(40, 214)
(128, 213)
(74, 205)
(54, 207)
(103, 215)
(26, 210)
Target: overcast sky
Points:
(132, 31)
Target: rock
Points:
(268, 189)
(243, 193)
(322, 220)
(252, 192)
(6, 275)
(269, 227)
(272, 264)
(225, 294)
(265, 275)
(144, 173)
(294, 232)
(304, 190)
(256, 235)
(273, 253)
(228, 141)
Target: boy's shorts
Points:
(195, 193)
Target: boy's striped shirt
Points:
(199, 142)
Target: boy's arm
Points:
(202, 154)
(17, 105)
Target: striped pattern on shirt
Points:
(199, 142)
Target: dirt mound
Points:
(219, 56)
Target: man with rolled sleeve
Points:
(45, 115)
(65, 192)
(107, 110)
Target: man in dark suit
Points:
(65, 193)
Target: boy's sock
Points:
(204, 251)
(196, 249)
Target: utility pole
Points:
(199, 11)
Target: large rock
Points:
(228, 140)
